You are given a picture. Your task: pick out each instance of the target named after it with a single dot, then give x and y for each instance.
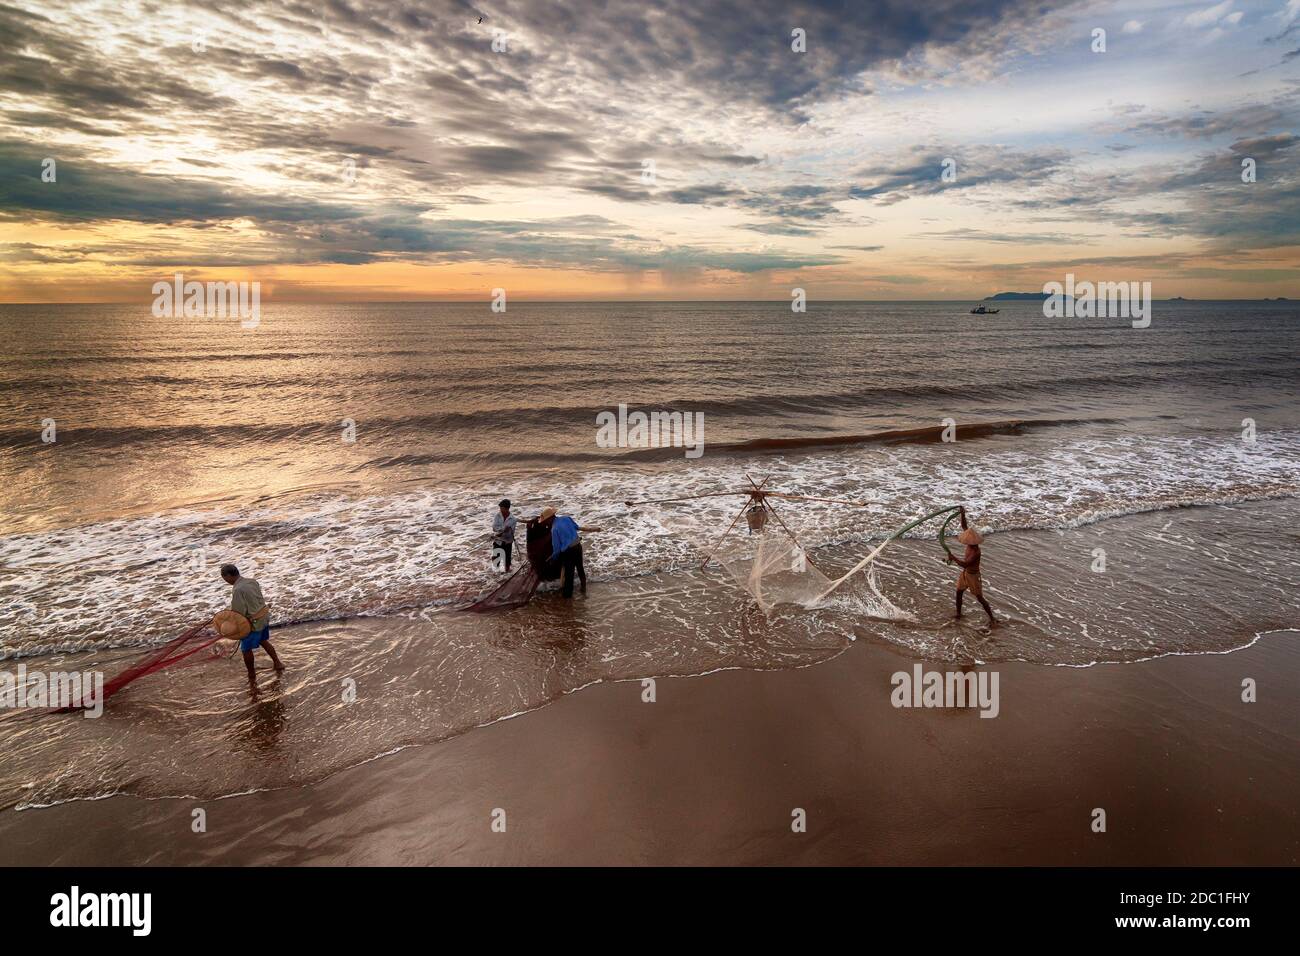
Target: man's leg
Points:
(566, 559)
(248, 662)
(987, 610)
(960, 592)
(275, 658)
(509, 548)
(582, 572)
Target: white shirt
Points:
(503, 528)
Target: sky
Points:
(683, 149)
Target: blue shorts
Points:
(255, 639)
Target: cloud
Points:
(1247, 118)
(234, 154)
(781, 229)
(919, 172)
(304, 230)
(1209, 16)
(984, 235)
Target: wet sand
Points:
(710, 773)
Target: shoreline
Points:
(1187, 774)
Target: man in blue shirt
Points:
(566, 547)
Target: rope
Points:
(943, 529)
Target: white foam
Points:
(327, 554)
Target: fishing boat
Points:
(984, 310)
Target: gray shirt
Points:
(503, 529)
(246, 598)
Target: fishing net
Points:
(760, 555)
(196, 639)
(869, 561)
(515, 591)
(768, 562)
(518, 589)
(772, 567)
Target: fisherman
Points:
(246, 599)
(503, 536)
(566, 547)
(969, 579)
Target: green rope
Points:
(943, 529)
(955, 509)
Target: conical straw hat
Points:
(231, 625)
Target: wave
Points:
(416, 602)
(394, 601)
(543, 418)
(929, 434)
(332, 551)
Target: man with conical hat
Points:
(969, 579)
(566, 547)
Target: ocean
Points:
(1138, 486)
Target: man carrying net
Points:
(246, 600)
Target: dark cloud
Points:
(35, 120)
(920, 172)
(1209, 199)
(304, 230)
(740, 50)
(707, 194)
(984, 235)
(85, 191)
(1245, 119)
(781, 229)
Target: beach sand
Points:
(711, 772)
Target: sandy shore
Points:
(711, 772)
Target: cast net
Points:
(198, 638)
(515, 591)
(772, 567)
(766, 558)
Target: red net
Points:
(173, 652)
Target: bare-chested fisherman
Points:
(969, 579)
